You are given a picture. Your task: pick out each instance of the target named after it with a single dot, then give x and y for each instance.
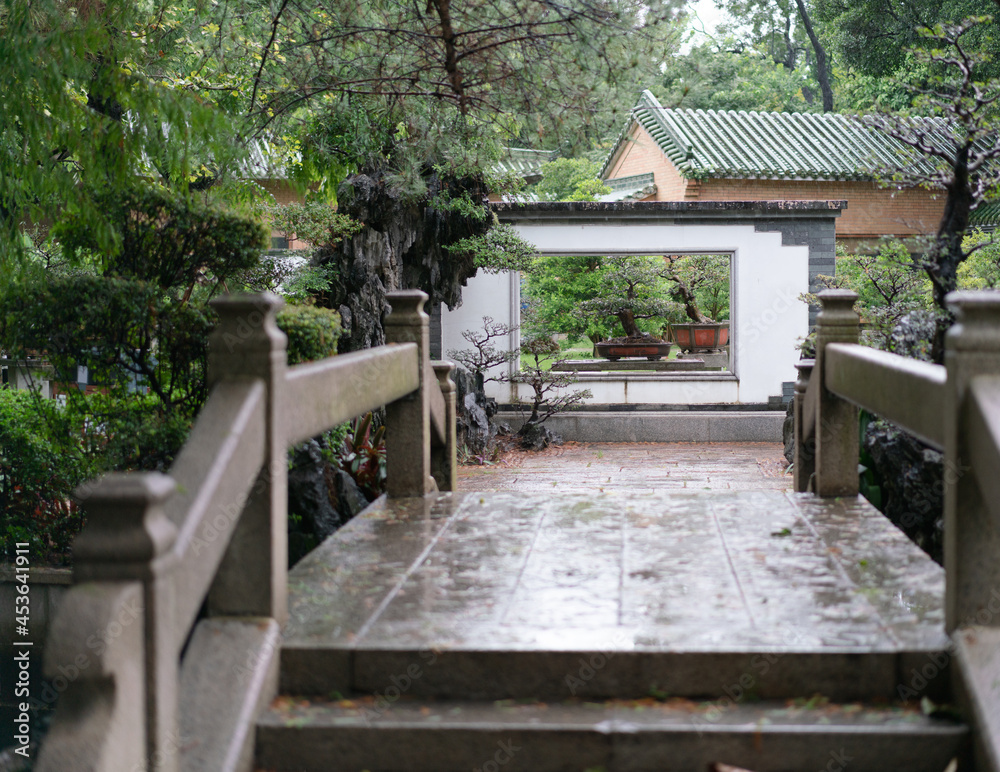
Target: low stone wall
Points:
(663, 426)
(47, 587)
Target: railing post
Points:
(129, 537)
(408, 420)
(971, 536)
(252, 579)
(443, 460)
(805, 449)
(836, 419)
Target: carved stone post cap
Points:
(231, 305)
(443, 371)
(405, 303)
(246, 336)
(836, 294)
(978, 320)
(837, 299)
(122, 488)
(125, 519)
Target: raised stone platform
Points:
(656, 632)
(663, 425)
(497, 595)
(629, 365)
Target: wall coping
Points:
(38, 574)
(582, 212)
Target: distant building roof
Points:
(986, 216)
(527, 163)
(752, 145)
(634, 188)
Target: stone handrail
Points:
(210, 538)
(955, 407)
(906, 391)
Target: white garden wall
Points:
(768, 276)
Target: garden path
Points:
(579, 467)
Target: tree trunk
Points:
(947, 253)
(822, 69)
(627, 318)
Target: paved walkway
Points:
(596, 467)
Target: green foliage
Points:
(163, 237)
(498, 250)
(315, 222)
(874, 37)
(553, 291)
(571, 179)
(123, 330)
(981, 269)
(312, 332)
(87, 95)
(633, 288)
(890, 284)
(716, 77)
(47, 451)
(287, 275)
(40, 465)
(701, 284)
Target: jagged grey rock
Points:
(788, 432)
(912, 480)
(537, 437)
(308, 492)
(350, 499)
(913, 335)
(403, 244)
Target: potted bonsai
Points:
(699, 279)
(634, 289)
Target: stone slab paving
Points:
(643, 467)
(482, 578)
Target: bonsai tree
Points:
(634, 289)
(699, 282)
(547, 391)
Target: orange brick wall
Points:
(871, 211)
(284, 193)
(641, 155)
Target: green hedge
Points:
(312, 332)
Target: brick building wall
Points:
(872, 212)
(284, 193)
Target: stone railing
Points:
(954, 408)
(180, 580)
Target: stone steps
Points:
(673, 735)
(706, 616)
(601, 673)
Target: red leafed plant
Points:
(363, 456)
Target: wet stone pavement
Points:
(579, 467)
(700, 547)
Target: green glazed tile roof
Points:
(742, 145)
(524, 162)
(986, 216)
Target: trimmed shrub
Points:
(312, 332)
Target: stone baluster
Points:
(971, 534)
(443, 457)
(805, 449)
(252, 579)
(836, 419)
(128, 537)
(408, 420)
